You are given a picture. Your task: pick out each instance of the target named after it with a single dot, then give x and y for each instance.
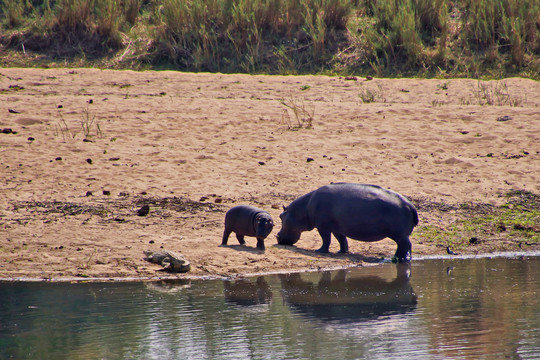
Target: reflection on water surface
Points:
(431, 309)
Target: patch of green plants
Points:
(519, 223)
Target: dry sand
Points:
(193, 145)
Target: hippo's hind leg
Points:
(343, 244)
(241, 239)
(326, 238)
(226, 234)
(403, 252)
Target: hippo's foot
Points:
(322, 250)
(260, 246)
(342, 251)
(402, 259)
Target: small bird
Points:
(450, 252)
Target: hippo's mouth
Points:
(286, 239)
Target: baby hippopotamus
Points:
(247, 220)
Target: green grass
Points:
(471, 38)
(516, 223)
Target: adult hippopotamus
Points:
(361, 212)
(246, 220)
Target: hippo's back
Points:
(241, 218)
(355, 207)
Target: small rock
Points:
(369, 77)
(504, 118)
(474, 240)
(11, 111)
(218, 200)
(144, 210)
(106, 192)
(7, 131)
(89, 161)
(91, 101)
(309, 159)
(89, 193)
(30, 139)
(58, 158)
(261, 163)
(60, 106)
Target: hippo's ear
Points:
(284, 208)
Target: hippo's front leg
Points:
(343, 243)
(260, 243)
(326, 238)
(403, 252)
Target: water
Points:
(452, 308)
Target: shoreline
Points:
(187, 277)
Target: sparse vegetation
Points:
(495, 93)
(88, 125)
(423, 37)
(303, 114)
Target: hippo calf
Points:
(361, 212)
(247, 220)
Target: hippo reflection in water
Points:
(349, 296)
(247, 293)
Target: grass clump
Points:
(88, 125)
(302, 114)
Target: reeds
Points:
(248, 35)
(385, 37)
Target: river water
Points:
(446, 308)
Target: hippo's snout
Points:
(284, 238)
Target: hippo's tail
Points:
(415, 215)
